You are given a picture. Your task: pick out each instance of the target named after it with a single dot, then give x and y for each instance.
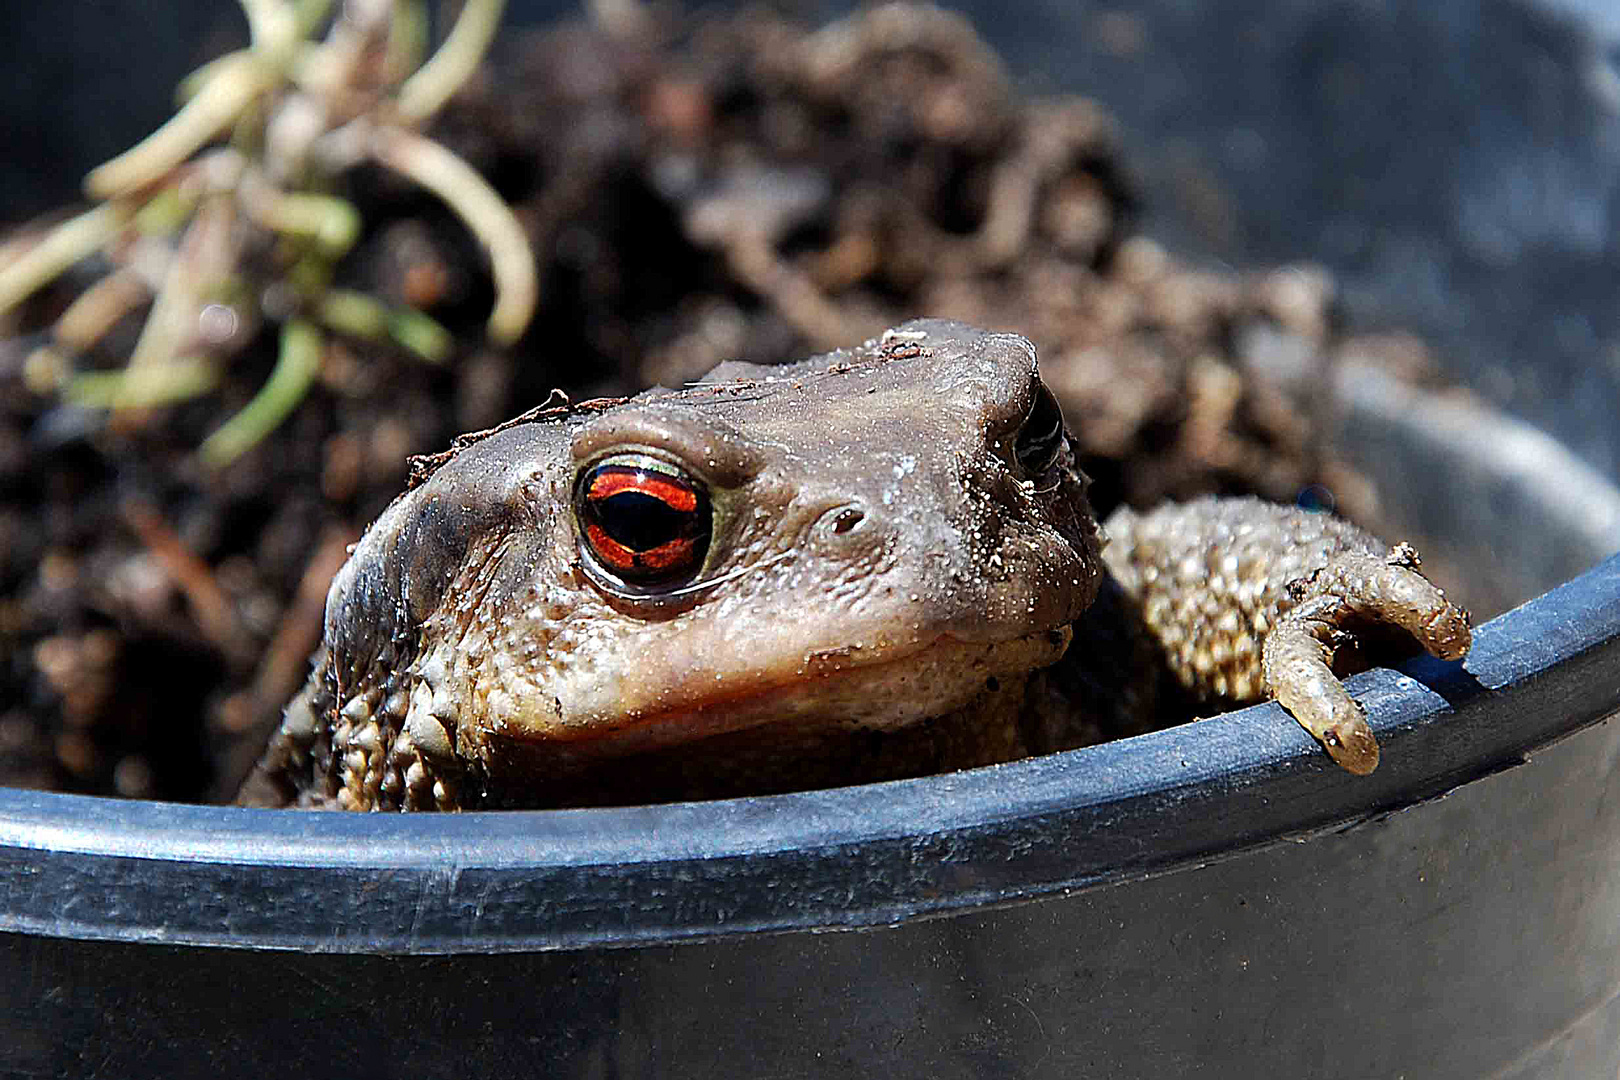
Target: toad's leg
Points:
(1249, 600)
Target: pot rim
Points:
(865, 856)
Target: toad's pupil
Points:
(639, 521)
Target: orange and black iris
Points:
(644, 519)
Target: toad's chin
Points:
(844, 690)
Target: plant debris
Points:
(223, 237)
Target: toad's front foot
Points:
(1336, 613)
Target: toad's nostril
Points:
(846, 519)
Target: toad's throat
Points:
(828, 689)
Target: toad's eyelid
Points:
(704, 447)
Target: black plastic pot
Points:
(1216, 897)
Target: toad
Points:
(877, 563)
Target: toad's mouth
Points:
(828, 689)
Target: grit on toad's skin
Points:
(876, 563)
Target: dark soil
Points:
(739, 187)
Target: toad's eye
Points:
(1041, 438)
(645, 520)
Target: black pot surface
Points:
(1216, 895)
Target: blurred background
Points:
(1455, 163)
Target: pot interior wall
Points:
(1500, 511)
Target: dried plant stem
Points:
(205, 258)
(309, 14)
(76, 238)
(184, 377)
(99, 307)
(362, 316)
(793, 293)
(273, 25)
(217, 105)
(195, 80)
(211, 605)
(480, 207)
(409, 33)
(328, 70)
(296, 367)
(425, 92)
(332, 223)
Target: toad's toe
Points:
(1346, 608)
